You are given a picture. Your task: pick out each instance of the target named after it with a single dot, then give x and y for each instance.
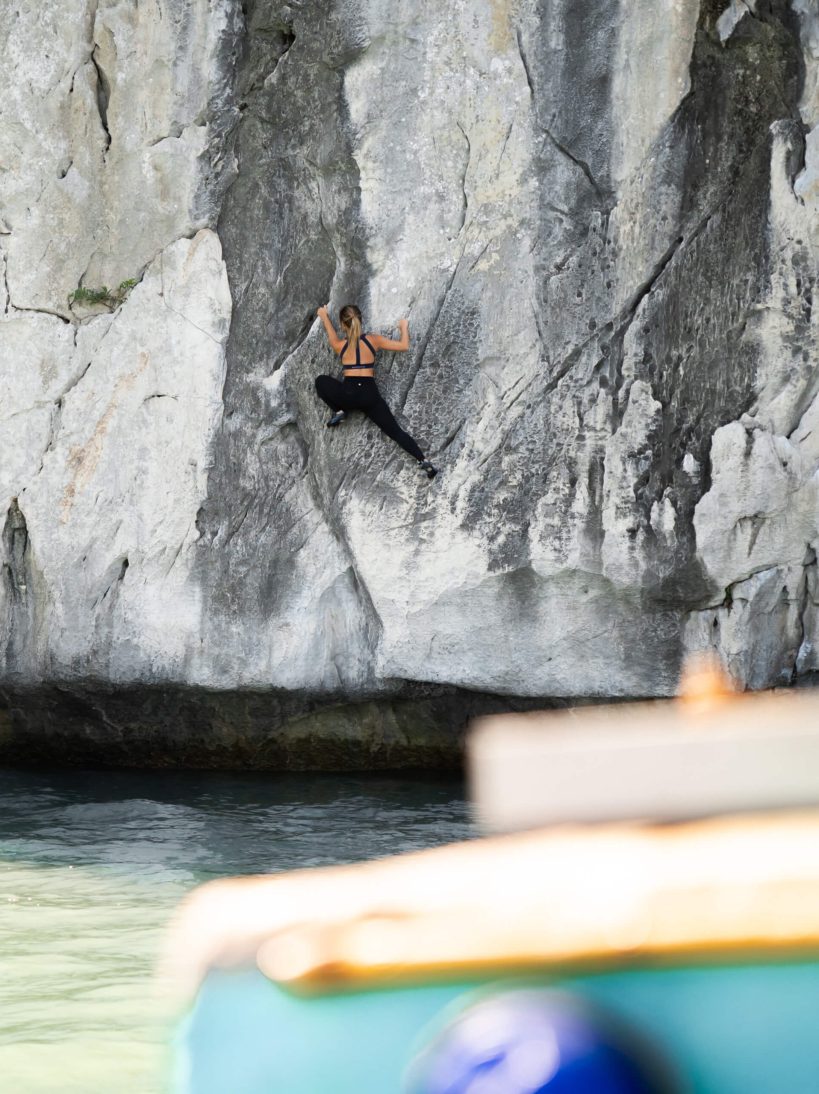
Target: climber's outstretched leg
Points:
(380, 413)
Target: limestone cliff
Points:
(601, 222)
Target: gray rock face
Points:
(601, 221)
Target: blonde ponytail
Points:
(350, 317)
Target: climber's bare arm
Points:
(335, 342)
(398, 345)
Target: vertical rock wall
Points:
(110, 130)
(601, 221)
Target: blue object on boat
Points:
(727, 1029)
(537, 1042)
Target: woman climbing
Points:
(358, 390)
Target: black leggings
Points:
(361, 393)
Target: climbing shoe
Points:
(431, 471)
(338, 417)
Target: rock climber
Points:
(358, 390)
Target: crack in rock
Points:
(428, 336)
(581, 164)
(525, 63)
(103, 97)
(115, 576)
(43, 311)
(804, 645)
(16, 543)
(53, 429)
(562, 148)
(463, 176)
(618, 327)
(17, 577)
(7, 303)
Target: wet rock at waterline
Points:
(601, 221)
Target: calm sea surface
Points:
(93, 863)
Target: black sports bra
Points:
(358, 361)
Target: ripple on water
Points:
(95, 862)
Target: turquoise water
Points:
(92, 864)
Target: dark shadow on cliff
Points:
(290, 228)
